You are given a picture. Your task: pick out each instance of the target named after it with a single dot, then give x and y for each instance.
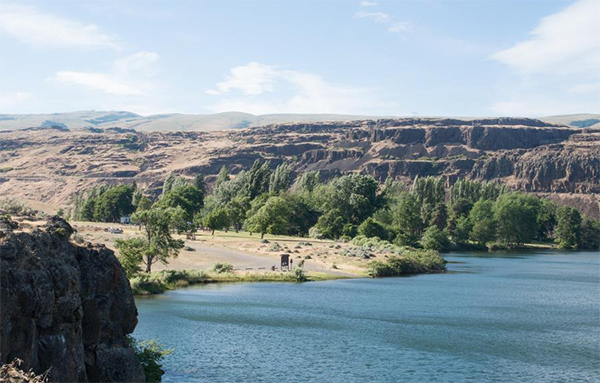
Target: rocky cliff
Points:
(65, 308)
(524, 154)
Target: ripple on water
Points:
(520, 317)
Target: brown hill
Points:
(49, 165)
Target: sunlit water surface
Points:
(521, 317)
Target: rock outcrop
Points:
(65, 308)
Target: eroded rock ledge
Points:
(65, 308)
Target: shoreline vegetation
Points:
(389, 229)
(159, 282)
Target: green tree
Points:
(168, 183)
(216, 219)
(272, 217)
(472, 191)
(131, 253)
(224, 192)
(457, 209)
(158, 224)
(199, 183)
(429, 190)
(303, 214)
(331, 224)
(483, 224)
(371, 228)
(590, 235)
(114, 203)
(435, 239)
(258, 178)
(308, 181)
(439, 216)
(568, 228)
(353, 195)
(546, 219)
(516, 218)
(222, 177)
(280, 179)
(188, 197)
(144, 203)
(461, 231)
(407, 219)
(237, 209)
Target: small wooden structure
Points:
(285, 261)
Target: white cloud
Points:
(33, 27)
(130, 76)
(269, 89)
(379, 17)
(99, 81)
(382, 18)
(563, 43)
(251, 79)
(557, 70)
(399, 27)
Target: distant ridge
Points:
(210, 122)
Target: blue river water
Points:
(517, 317)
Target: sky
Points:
(394, 58)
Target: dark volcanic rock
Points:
(66, 308)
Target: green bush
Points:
(222, 267)
(150, 354)
(299, 274)
(411, 262)
(147, 284)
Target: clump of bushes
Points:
(275, 247)
(13, 207)
(220, 268)
(158, 283)
(410, 262)
(374, 243)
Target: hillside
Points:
(210, 122)
(159, 122)
(49, 165)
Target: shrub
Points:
(150, 354)
(411, 262)
(315, 232)
(14, 207)
(147, 284)
(299, 275)
(222, 267)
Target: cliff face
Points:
(65, 308)
(524, 154)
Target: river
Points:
(513, 317)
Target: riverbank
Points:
(162, 281)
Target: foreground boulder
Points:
(65, 308)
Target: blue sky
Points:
(419, 57)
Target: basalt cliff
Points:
(51, 164)
(65, 308)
